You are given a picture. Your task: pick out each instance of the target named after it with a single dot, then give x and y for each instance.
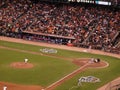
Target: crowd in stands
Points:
(2, 2)
(91, 26)
(11, 12)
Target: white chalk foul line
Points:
(66, 76)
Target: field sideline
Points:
(61, 64)
(57, 46)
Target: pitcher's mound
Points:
(21, 65)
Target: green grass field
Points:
(48, 70)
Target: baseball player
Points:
(25, 60)
(4, 87)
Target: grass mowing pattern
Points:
(106, 74)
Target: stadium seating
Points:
(92, 26)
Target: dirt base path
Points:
(84, 63)
(52, 86)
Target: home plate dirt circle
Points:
(81, 62)
(21, 65)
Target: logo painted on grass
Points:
(89, 79)
(48, 50)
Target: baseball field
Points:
(52, 71)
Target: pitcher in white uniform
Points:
(4, 87)
(25, 60)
